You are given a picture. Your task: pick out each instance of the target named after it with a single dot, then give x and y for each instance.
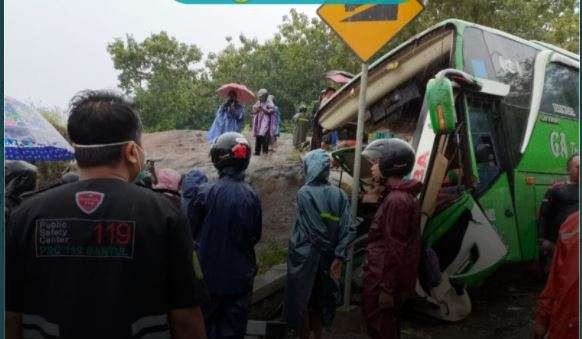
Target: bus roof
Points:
(459, 25)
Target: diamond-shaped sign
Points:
(367, 28)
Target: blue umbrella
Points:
(29, 136)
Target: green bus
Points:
(504, 136)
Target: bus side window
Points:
(561, 91)
(484, 144)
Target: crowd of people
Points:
(265, 122)
(124, 250)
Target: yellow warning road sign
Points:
(367, 28)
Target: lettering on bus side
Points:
(421, 163)
(560, 146)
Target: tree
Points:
(553, 21)
(162, 74)
(291, 65)
(174, 89)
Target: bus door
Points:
(491, 160)
(551, 137)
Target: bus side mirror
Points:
(441, 105)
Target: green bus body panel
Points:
(550, 145)
(442, 222)
(458, 59)
(527, 202)
(544, 162)
(498, 203)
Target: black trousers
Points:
(261, 143)
(226, 316)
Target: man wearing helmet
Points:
(226, 223)
(394, 239)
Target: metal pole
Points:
(356, 184)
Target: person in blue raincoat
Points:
(190, 186)
(226, 221)
(229, 118)
(323, 230)
(271, 100)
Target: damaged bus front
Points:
(493, 119)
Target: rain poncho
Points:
(226, 223)
(392, 255)
(278, 114)
(226, 121)
(271, 99)
(190, 186)
(558, 304)
(300, 126)
(168, 183)
(168, 179)
(264, 119)
(322, 232)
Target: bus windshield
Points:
(495, 57)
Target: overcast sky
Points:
(53, 48)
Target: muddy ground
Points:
(502, 308)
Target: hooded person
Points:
(264, 122)
(190, 186)
(229, 118)
(394, 240)
(271, 100)
(323, 230)
(168, 182)
(300, 126)
(226, 220)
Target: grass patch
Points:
(270, 253)
(294, 156)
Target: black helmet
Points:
(20, 177)
(231, 149)
(395, 156)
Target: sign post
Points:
(365, 29)
(357, 167)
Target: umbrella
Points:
(243, 94)
(340, 77)
(29, 136)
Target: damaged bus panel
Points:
(493, 119)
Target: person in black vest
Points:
(559, 202)
(102, 257)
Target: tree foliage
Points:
(162, 74)
(175, 89)
(291, 65)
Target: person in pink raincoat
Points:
(168, 183)
(394, 239)
(264, 122)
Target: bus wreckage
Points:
(492, 118)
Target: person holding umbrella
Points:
(230, 115)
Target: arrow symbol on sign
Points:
(374, 13)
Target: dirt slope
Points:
(276, 177)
